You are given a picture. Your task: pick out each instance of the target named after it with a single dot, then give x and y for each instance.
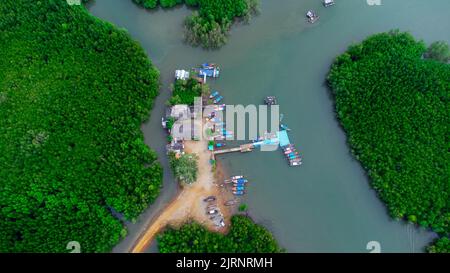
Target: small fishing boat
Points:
(299, 161)
(328, 3)
(231, 202)
(270, 100)
(214, 94)
(236, 177)
(218, 99)
(237, 188)
(311, 16)
(238, 192)
(210, 198)
(240, 181)
(220, 145)
(209, 66)
(212, 212)
(219, 107)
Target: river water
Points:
(326, 205)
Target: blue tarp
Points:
(207, 72)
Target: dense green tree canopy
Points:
(185, 168)
(439, 51)
(441, 245)
(185, 91)
(73, 93)
(394, 106)
(244, 237)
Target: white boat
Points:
(312, 16)
(236, 177)
(328, 3)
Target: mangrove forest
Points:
(244, 237)
(394, 106)
(74, 91)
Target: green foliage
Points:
(191, 3)
(439, 51)
(185, 91)
(208, 34)
(244, 237)
(209, 26)
(148, 4)
(441, 245)
(170, 122)
(243, 207)
(74, 92)
(185, 168)
(394, 107)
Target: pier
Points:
(243, 149)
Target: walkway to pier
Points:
(243, 149)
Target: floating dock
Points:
(281, 138)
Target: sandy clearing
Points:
(188, 204)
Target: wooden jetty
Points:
(243, 149)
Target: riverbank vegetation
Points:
(185, 91)
(209, 26)
(74, 91)
(439, 51)
(394, 107)
(441, 245)
(244, 237)
(184, 167)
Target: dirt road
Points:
(189, 205)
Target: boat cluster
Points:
(238, 184)
(216, 127)
(213, 211)
(208, 70)
(292, 155)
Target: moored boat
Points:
(311, 16)
(214, 94)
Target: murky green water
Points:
(326, 205)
